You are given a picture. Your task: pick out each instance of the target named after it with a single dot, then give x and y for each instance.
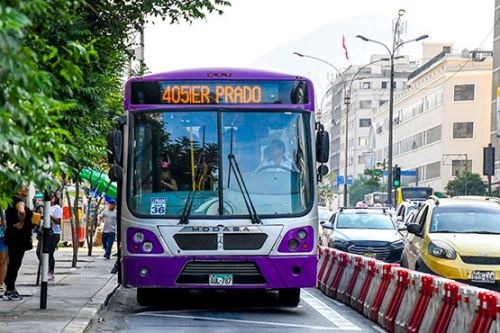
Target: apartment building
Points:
(442, 120)
(369, 89)
(495, 94)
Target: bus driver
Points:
(275, 158)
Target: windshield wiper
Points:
(186, 212)
(233, 165)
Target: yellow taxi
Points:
(457, 238)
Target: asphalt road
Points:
(220, 311)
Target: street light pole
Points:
(395, 46)
(341, 75)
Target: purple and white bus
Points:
(218, 188)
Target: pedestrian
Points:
(3, 252)
(108, 217)
(56, 214)
(18, 240)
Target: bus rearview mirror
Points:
(115, 173)
(114, 141)
(322, 146)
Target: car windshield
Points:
(174, 153)
(364, 221)
(466, 219)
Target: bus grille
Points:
(481, 260)
(244, 241)
(196, 241)
(197, 272)
(201, 242)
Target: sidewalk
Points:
(74, 297)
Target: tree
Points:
(61, 82)
(466, 184)
(67, 71)
(367, 183)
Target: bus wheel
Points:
(289, 297)
(145, 296)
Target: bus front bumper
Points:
(234, 272)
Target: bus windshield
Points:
(416, 193)
(174, 153)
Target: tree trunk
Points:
(89, 226)
(76, 239)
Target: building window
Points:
(463, 92)
(365, 122)
(384, 84)
(433, 170)
(458, 167)
(463, 130)
(366, 85)
(433, 134)
(382, 102)
(361, 159)
(365, 104)
(363, 141)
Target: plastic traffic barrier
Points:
(434, 305)
(450, 302)
(382, 289)
(410, 302)
(387, 318)
(354, 280)
(486, 312)
(326, 268)
(333, 285)
(402, 301)
(363, 288)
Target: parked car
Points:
(365, 231)
(406, 208)
(457, 238)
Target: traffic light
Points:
(396, 177)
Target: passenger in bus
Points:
(167, 182)
(275, 158)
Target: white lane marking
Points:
(381, 330)
(232, 320)
(327, 312)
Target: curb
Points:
(84, 318)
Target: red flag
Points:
(345, 47)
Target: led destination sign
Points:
(219, 92)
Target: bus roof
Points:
(219, 74)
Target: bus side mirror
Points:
(115, 145)
(115, 173)
(322, 145)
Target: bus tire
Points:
(145, 296)
(289, 297)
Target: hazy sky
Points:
(250, 28)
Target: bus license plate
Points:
(370, 255)
(484, 277)
(220, 279)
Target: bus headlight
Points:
(138, 237)
(293, 244)
(147, 247)
(144, 272)
(302, 234)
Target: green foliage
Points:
(367, 183)
(466, 184)
(62, 65)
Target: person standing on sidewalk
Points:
(56, 214)
(18, 239)
(3, 252)
(108, 216)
